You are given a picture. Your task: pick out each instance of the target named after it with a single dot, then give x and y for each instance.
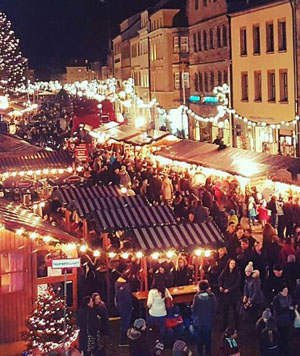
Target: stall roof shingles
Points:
(14, 217)
(232, 160)
(38, 160)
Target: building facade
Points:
(263, 76)
(209, 64)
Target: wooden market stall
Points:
(27, 245)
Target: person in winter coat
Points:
(262, 321)
(269, 339)
(183, 274)
(273, 208)
(180, 348)
(102, 315)
(291, 272)
(138, 340)
(285, 315)
(204, 310)
(167, 189)
(253, 297)
(273, 284)
(157, 305)
(252, 210)
(123, 299)
(228, 344)
(287, 249)
(229, 283)
(89, 328)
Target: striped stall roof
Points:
(39, 160)
(177, 236)
(70, 194)
(128, 218)
(14, 216)
(85, 206)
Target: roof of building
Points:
(13, 216)
(14, 146)
(235, 161)
(239, 5)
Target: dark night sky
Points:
(52, 32)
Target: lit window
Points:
(11, 272)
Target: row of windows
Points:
(206, 81)
(139, 49)
(197, 3)
(210, 39)
(181, 80)
(155, 24)
(271, 86)
(256, 35)
(180, 44)
(140, 79)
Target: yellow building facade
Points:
(263, 77)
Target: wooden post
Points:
(197, 270)
(85, 229)
(145, 272)
(68, 222)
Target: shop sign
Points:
(81, 152)
(258, 181)
(210, 100)
(66, 263)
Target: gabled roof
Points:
(13, 146)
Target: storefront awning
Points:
(69, 194)
(14, 217)
(234, 160)
(128, 218)
(85, 206)
(123, 132)
(178, 236)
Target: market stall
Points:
(27, 246)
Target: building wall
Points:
(77, 73)
(209, 40)
(264, 110)
(117, 57)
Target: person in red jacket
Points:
(287, 249)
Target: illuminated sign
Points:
(210, 100)
(195, 98)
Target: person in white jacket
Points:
(157, 305)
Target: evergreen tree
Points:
(12, 64)
(46, 324)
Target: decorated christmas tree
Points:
(46, 324)
(12, 64)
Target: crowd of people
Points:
(255, 278)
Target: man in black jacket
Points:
(204, 310)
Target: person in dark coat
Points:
(204, 310)
(179, 206)
(102, 313)
(183, 274)
(273, 284)
(273, 252)
(89, 327)
(289, 217)
(285, 315)
(222, 259)
(291, 272)
(138, 340)
(229, 283)
(269, 339)
(272, 207)
(123, 298)
(201, 213)
(253, 298)
(260, 260)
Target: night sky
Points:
(53, 32)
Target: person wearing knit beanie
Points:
(180, 348)
(266, 315)
(249, 269)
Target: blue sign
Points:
(195, 98)
(210, 100)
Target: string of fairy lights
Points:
(73, 248)
(127, 97)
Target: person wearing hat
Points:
(180, 348)
(262, 321)
(269, 339)
(204, 310)
(232, 217)
(285, 315)
(273, 283)
(138, 341)
(253, 297)
(228, 344)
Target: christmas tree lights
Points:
(12, 64)
(46, 324)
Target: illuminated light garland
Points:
(221, 92)
(46, 171)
